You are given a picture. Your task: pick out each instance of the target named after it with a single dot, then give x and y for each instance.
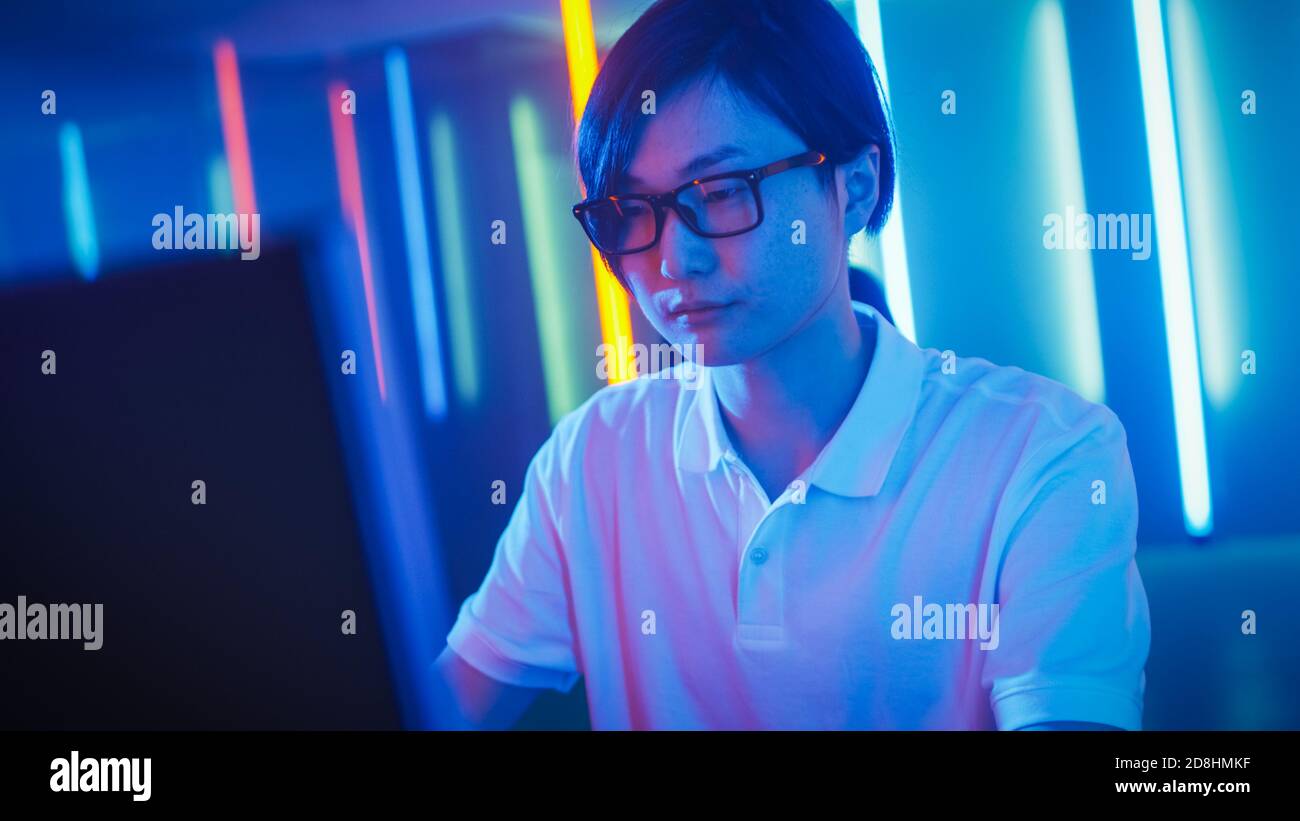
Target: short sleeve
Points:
(516, 626)
(1073, 622)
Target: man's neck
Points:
(780, 409)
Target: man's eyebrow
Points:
(695, 166)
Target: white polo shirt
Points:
(643, 555)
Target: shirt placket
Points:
(760, 588)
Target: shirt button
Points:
(758, 555)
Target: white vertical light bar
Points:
(898, 285)
(1175, 276)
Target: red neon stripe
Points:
(349, 172)
(233, 128)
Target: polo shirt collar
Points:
(857, 458)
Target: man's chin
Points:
(706, 350)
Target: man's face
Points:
(770, 283)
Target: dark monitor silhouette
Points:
(223, 615)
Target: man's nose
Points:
(683, 254)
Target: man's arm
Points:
(467, 699)
(1073, 614)
(514, 636)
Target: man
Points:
(834, 528)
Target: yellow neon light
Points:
(615, 316)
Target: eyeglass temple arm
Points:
(807, 158)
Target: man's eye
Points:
(632, 209)
(721, 193)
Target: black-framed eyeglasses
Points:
(720, 205)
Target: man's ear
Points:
(861, 180)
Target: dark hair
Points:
(798, 59)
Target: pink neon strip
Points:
(233, 128)
(349, 173)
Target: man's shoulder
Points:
(616, 411)
(988, 393)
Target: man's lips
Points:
(699, 310)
